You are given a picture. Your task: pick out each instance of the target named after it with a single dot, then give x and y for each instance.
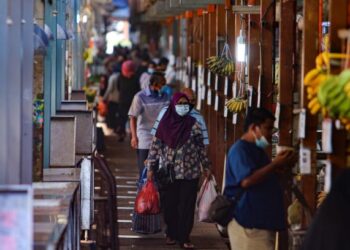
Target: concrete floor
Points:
(122, 159)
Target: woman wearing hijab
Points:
(179, 143)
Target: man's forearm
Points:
(258, 176)
(133, 126)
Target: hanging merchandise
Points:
(329, 93)
(240, 103)
(222, 65)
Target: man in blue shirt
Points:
(260, 210)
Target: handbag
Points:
(166, 174)
(222, 208)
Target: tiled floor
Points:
(123, 161)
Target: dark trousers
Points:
(141, 157)
(112, 115)
(179, 206)
(123, 118)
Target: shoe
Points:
(170, 241)
(187, 245)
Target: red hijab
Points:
(174, 130)
(128, 69)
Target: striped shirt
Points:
(195, 114)
(146, 107)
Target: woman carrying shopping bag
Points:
(179, 143)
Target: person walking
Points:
(179, 143)
(128, 85)
(146, 76)
(111, 96)
(193, 112)
(259, 212)
(143, 112)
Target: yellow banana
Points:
(311, 75)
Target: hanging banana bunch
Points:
(237, 105)
(222, 65)
(240, 103)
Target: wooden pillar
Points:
(338, 14)
(287, 74)
(206, 41)
(239, 126)
(220, 120)
(309, 52)
(211, 113)
(253, 54)
(287, 41)
(267, 14)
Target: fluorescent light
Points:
(240, 48)
(85, 19)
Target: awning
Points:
(62, 33)
(48, 32)
(41, 40)
(123, 13)
(120, 3)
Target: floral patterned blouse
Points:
(188, 160)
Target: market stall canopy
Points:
(62, 34)
(41, 40)
(120, 3)
(164, 9)
(121, 14)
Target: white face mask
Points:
(182, 109)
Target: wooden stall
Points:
(283, 39)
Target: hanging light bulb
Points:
(240, 47)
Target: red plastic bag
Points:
(147, 200)
(102, 108)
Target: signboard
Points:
(16, 217)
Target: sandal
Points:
(170, 241)
(187, 245)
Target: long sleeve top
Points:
(112, 92)
(187, 160)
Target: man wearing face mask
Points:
(259, 214)
(145, 77)
(143, 112)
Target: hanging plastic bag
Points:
(206, 195)
(147, 200)
(102, 108)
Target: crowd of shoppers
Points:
(167, 131)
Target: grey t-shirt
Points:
(146, 108)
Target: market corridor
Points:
(122, 160)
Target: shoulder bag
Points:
(222, 208)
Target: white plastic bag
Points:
(206, 195)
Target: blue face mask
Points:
(182, 109)
(150, 71)
(261, 142)
(154, 93)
